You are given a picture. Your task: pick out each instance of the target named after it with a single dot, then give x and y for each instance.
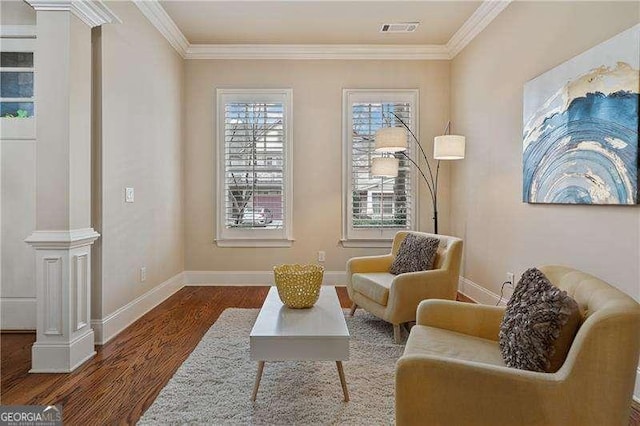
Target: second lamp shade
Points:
(448, 147)
(384, 166)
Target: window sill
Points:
(368, 243)
(248, 242)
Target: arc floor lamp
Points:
(392, 140)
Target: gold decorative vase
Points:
(298, 285)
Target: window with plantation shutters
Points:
(375, 208)
(254, 167)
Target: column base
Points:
(62, 357)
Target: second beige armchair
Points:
(453, 372)
(394, 298)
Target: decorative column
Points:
(63, 289)
(63, 235)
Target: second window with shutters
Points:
(375, 208)
(254, 152)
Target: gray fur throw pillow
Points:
(539, 324)
(416, 253)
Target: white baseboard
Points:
(486, 297)
(108, 327)
(238, 278)
(18, 313)
(480, 294)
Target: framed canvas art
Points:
(580, 134)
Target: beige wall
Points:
(18, 207)
(16, 12)
(317, 166)
(141, 147)
(501, 233)
(18, 278)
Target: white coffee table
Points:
(316, 334)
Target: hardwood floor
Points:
(126, 375)
(635, 414)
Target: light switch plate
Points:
(128, 195)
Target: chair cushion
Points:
(416, 253)
(539, 324)
(450, 344)
(374, 285)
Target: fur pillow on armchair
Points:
(416, 253)
(539, 325)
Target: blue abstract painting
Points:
(580, 137)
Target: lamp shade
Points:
(448, 147)
(391, 139)
(384, 166)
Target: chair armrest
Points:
(365, 264)
(467, 318)
(435, 390)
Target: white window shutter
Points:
(375, 208)
(254, 148)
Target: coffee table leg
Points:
(343, 382)
(258, 377)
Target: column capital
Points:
(62, 240)
(93, 13)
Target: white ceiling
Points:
(317, 22)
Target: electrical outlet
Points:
(128, 195)
(511, 279)
(321, 256)
(143, 274)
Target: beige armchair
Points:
(394, 298)
(452, 372)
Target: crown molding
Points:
(316, 51)
(160, 19)
(93, 13)
(473, 26)
(478, 21)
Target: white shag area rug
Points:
(214, 384)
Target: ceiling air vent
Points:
(400, 27)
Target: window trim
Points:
(381, 238)
(253, 237)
